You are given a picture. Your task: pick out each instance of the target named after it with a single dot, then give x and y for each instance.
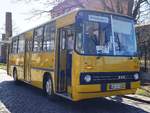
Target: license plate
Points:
(116, 86)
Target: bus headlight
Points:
(136, 76)
(87, 78)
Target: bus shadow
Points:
(24, 98)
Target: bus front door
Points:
(64, 59)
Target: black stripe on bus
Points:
(18, 65)
(45, 69)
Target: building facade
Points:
(0, 52)
(99, 5)
(3, 50)
(5, 37)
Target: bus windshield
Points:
(106, 35)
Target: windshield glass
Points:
(124, 36)
(105, 35)
(95, 37)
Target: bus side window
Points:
(38, 37)
(29, 46)
(49, 37)
(11, 47)
(70, 40)
(14, 45)
(63, 40)
(21, 44)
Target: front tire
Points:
(48, 87)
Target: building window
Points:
(49, 37)
(38, 37)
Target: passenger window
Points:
(38, 36)
(29, 46)
(21, 44)
(70, 39)
(67, 38)
(49, 37)
(63, 39)
(11, 47)
(14, 45)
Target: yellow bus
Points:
(83, 54)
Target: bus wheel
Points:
(15, 77)
(49, 87)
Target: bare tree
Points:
(141, 9)
(138, 9)
(14, 27)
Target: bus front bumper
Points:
(95, 91)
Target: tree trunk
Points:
(130, 7)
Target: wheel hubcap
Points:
(48, 87)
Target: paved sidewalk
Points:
(3, 109)
(139, 98)
(2, 71)
(3, 76)
(146, 87)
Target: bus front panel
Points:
(105, 59)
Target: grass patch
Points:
(143, 92)
(3, 66)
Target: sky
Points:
(21, 11)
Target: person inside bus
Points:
(92, 35)
(90, 41)
(70, 43)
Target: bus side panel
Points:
(20, 68)
(12, 62)
(75, 73)
(37, 77)
(15, 62)
(40, 64)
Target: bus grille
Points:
(108, 77)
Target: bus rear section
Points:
(105, 61)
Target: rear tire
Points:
(15, 77)
(48, 87)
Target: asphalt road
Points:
(24, 98)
